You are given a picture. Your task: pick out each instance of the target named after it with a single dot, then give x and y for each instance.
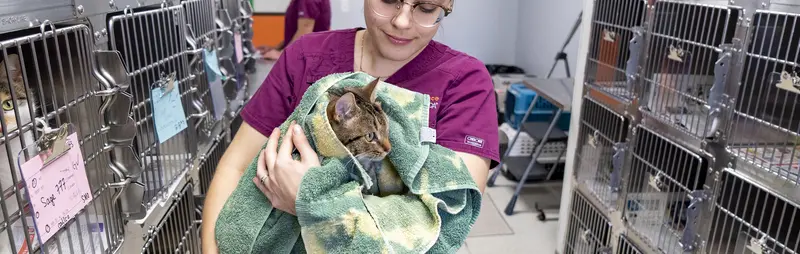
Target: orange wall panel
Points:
(267, 29)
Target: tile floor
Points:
(496, 232)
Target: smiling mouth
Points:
(398, 40)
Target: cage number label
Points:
(57, 191)
(214, 76)
(168, 114)
(237, 45)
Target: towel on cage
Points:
(435, 215)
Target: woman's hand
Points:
(278, 175)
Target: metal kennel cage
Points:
(589, 228)
(665, 192)
(602, 141)
(766, 122)
(46, 81)
(614, 47)
(202, 38)
(684, 44)
(157, 57)
(177, 232)
(751, 217)
(209, 161)
(625, 246)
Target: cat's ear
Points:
(14, 67)
(372, 90)
(345, 107)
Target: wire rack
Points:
(210, 160)
(152, 55)
(613, 29)
(602, 152)
(589, 228)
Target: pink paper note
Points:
(237, 45)
(58, 191)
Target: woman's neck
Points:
(370, 60)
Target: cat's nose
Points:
(386, 146)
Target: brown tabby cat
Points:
(362, 126)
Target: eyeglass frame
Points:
(447, 10)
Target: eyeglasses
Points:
(425, 14)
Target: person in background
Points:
(302, 17)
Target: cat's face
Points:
(16, 83)
(360, 123)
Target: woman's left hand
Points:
(278, 175)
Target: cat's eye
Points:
(370, 136)
(8, 105)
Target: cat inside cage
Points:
(44, 82)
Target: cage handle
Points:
(632, 65)
(716, 95)
(45, 24)
(617, 161)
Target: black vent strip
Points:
(682, 170)
(624, 246)
(176, 227)
(773, 49)
(585, 216)
(744, 208)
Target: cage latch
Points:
(617, 161)
(716, 95)
(632, 65)
(689, 239)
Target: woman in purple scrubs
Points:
(397, 46)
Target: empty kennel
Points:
(153, 58)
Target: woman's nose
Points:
(403, 18)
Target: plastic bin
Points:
(519, 98)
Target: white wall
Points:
(467, 29)
(530, 32)
(270, 6)
(543, 27)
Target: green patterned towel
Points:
(333, 216)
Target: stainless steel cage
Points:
(664, 190)
(210, 160)
(684, 44)
(202, 35)
(614, 46)
(177, 233)
(625, 246)
(46, 79)
(589, 229)
(766, 129)
(602, 137)
(152, 55)
(752, 218)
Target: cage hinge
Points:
(689, 238)
(716, 96)
(632, 65)
(617, 162)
